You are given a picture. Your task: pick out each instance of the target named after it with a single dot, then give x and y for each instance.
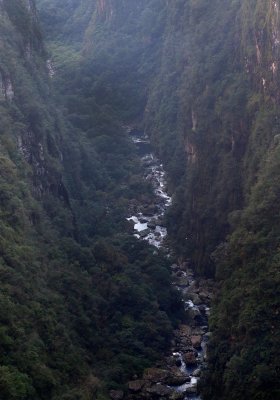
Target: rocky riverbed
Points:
(177, 376)
(148, 223)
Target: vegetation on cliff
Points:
(222, 63)
(82, 302)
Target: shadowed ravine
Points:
(178, 374)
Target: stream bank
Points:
(177, 376)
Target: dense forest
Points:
(84, 305)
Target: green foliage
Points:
(13, 384)
(83, 306)
(213, 114)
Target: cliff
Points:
(205, 76)
(81, 306)
(223, 115)
(88, 305)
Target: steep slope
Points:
(88, 304)
(81, 303)
(199, 126)
(223, 113)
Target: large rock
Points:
(182, 281)
(150, 210)
(136, 386)
(199, 330)
(193, 313)
(196, 373)
(204, 295)
(184, 331)
(155, 375)
(144, 233)
(143, 220)
(178, 379)
(159, 390)
(196, 341)
(116, 394)
(151, 225)
(184, 343)
(195, 298)
(190, 358)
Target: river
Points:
(150, 226)
(188, 350)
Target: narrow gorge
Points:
(177, 374)
(139, 199)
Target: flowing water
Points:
(150, 227)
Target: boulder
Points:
(151, 225)
(116, 394)
(143, 220)
(184, 331)
(159, 390)
(196, 341)
(193, 313)
(196, 373)
(190, 358)
(136, 386)
(199, 330)
(150, 210)
(182, 281)
(195, 298)
(184, 342)
(204, 295)
(184, 266)
(144, 233)
(178, 379)
(155, 375)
